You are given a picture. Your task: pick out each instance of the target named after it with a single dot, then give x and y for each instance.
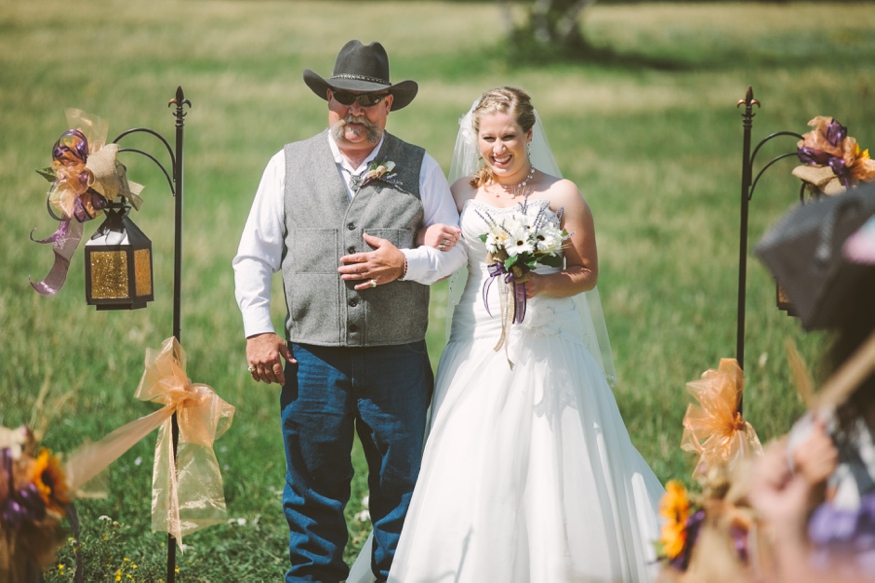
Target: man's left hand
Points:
(383, 265)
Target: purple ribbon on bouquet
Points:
(497, 269)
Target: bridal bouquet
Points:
(516, 245)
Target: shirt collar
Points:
(344, 163)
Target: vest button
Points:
(350, 249)
(353, 327)
(353, 303)
(351, 226)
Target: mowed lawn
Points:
(647, 127)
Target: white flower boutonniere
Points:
(382, 171)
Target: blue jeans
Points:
(383, 393)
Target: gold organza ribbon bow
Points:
(715, 428)
(187, 492)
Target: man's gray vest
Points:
(322, 225)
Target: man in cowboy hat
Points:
(338, 213)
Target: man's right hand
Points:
(263, 353)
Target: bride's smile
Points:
(503, 146)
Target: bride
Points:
(528, 473)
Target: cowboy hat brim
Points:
(404, 91)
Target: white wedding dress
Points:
(528, 474)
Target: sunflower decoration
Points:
(50, 482)
(710, 536)
(34, 497)
(832, 160)
(683, 519)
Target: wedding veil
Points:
(466, 161)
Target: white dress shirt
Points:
(259, 255)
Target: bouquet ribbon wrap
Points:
(715, 429)
(512, 295)
(187, 492)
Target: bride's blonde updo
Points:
(510, 100)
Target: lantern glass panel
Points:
(109, 275)
(143, 272)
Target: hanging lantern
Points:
(783, 301)
(118, 264)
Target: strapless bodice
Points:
(471, 317)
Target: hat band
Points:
(361, 78)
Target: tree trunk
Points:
(556, 22)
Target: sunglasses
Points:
(365, 99)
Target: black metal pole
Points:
(176, 188)
(179, 101)
(747, 123)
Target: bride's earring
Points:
(529, 150)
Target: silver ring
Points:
(251, 369)
(373, 283)
(446, 242)
(441, 247)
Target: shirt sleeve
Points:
(259, 254)
(427, 265)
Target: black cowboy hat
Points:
(362, 68)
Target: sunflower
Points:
(49, 479)
(673, 539)
(675, 508)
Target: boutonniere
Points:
(382, 171)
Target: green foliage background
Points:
(648, 128)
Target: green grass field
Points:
(649, 131)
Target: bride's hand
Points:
(535, 285)
(439, 236)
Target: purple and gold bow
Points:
(85, 177)
(833, 161)
(824, 147)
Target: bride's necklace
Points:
(514, 190)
